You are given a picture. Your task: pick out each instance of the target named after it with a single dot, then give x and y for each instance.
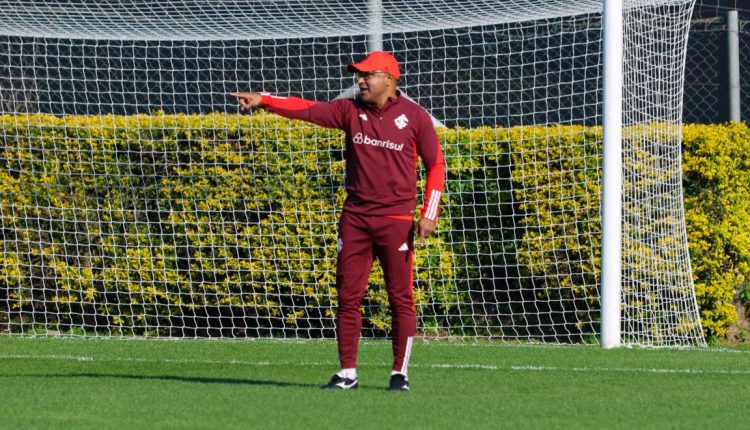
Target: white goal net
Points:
(136, 200)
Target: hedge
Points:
(143, 225)
(209, 225)
(716, 167)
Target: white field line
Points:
(489, 367)
(423, 342)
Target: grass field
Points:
(138, 384)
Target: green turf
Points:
(137, 384)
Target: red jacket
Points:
(382, 146)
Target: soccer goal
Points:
(136, 200)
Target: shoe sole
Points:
(341, 387)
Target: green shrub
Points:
(225, 225)
(716, 170)
(196, 225)
(513, 213)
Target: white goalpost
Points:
(136, 200)
(611, 289)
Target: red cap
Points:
(377, 60)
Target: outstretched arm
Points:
(325, 114)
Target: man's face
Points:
(373, 85)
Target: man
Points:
(385, 132)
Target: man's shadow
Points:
(193, 379)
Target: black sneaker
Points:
(339, 383)
(399, 383)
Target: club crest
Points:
(401, 121)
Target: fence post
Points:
(733, 63)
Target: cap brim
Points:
(359, 67)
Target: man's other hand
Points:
(425, 228)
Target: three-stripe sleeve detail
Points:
(433, 205)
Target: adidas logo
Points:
(363, 116)
(404, 247)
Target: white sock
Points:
(394, 372)
(348, 373)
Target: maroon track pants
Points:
(391, 241)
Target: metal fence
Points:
(706, 69)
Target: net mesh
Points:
(137, 201)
